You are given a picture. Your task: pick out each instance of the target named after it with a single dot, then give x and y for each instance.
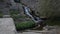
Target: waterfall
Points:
(27, 12)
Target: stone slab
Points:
(7, 26)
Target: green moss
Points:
(24, 25)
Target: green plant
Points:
(14, 14)
(24, 25)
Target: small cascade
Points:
(27, 11)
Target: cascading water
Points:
(36, 19)
(27, 12)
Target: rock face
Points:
(5, 6)
(7, 26)
(47, 8)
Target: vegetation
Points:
(48, 9)
(30, 24)
(24, 25)
(15, 14)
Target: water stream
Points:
(27, 11)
